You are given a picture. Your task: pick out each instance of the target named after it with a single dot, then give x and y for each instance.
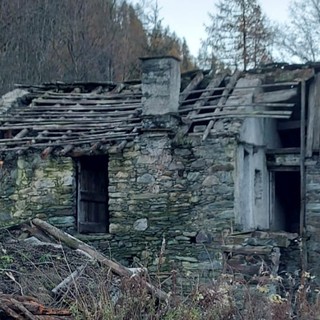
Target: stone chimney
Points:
(160, 90)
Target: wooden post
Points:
(302, 157)
(311, 117)
(303, 248)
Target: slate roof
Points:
(63, 118)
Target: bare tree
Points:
(298, 40)
(238, 34)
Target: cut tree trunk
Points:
(75, 243)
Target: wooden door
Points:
(93, 194)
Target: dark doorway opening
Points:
(287, 201)
(92, 194)
(290, 138)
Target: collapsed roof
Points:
(66, 118)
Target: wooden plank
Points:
(59, 143)
(281, 168)
(193, 84)
(51, 145)
(93, 96)
(212, 87)
(239, 110)
(240, 249)
(21, 134)
(303, 250)
(58, 113)
(69, 117)
(289, 125)
(283, 151)
(118, 88)
(316, 126)
(223, 99)
(311, 116)
(79, 107)
(74, 101)
(51, 136)
(254, 105)
(241, 116)
(79, 213)
(52, 126)
(86, 195)
(270, 85)
(64, 285)
(117, 148)
(93, 194)
(245, 112)
(46, 152)
(276, 96)
(302, 158)
(66, 149)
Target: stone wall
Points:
(161, 190)
(180, 192)
(33, 187)
(313, 213)
(177, 194)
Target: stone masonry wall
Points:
(33, 187)
(178, 191)
(313, 213)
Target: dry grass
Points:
(97, 294)
(267, 299)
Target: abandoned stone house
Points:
(215, 165)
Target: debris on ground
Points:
(43, 270)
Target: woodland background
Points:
(101, 40)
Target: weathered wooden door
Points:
(92, 203)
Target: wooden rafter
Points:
(65, 118)
(191, 86)
(223, 99)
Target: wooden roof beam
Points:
(21, 134)
(46, 152)
(66, 149)
(223, 99)
(118, 147)
(191, 86)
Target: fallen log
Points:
(75, 243)
(24, 307)
(9, 312)
(67, 281)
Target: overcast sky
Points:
(187, 17)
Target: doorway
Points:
(92, 194)
(285, 200)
